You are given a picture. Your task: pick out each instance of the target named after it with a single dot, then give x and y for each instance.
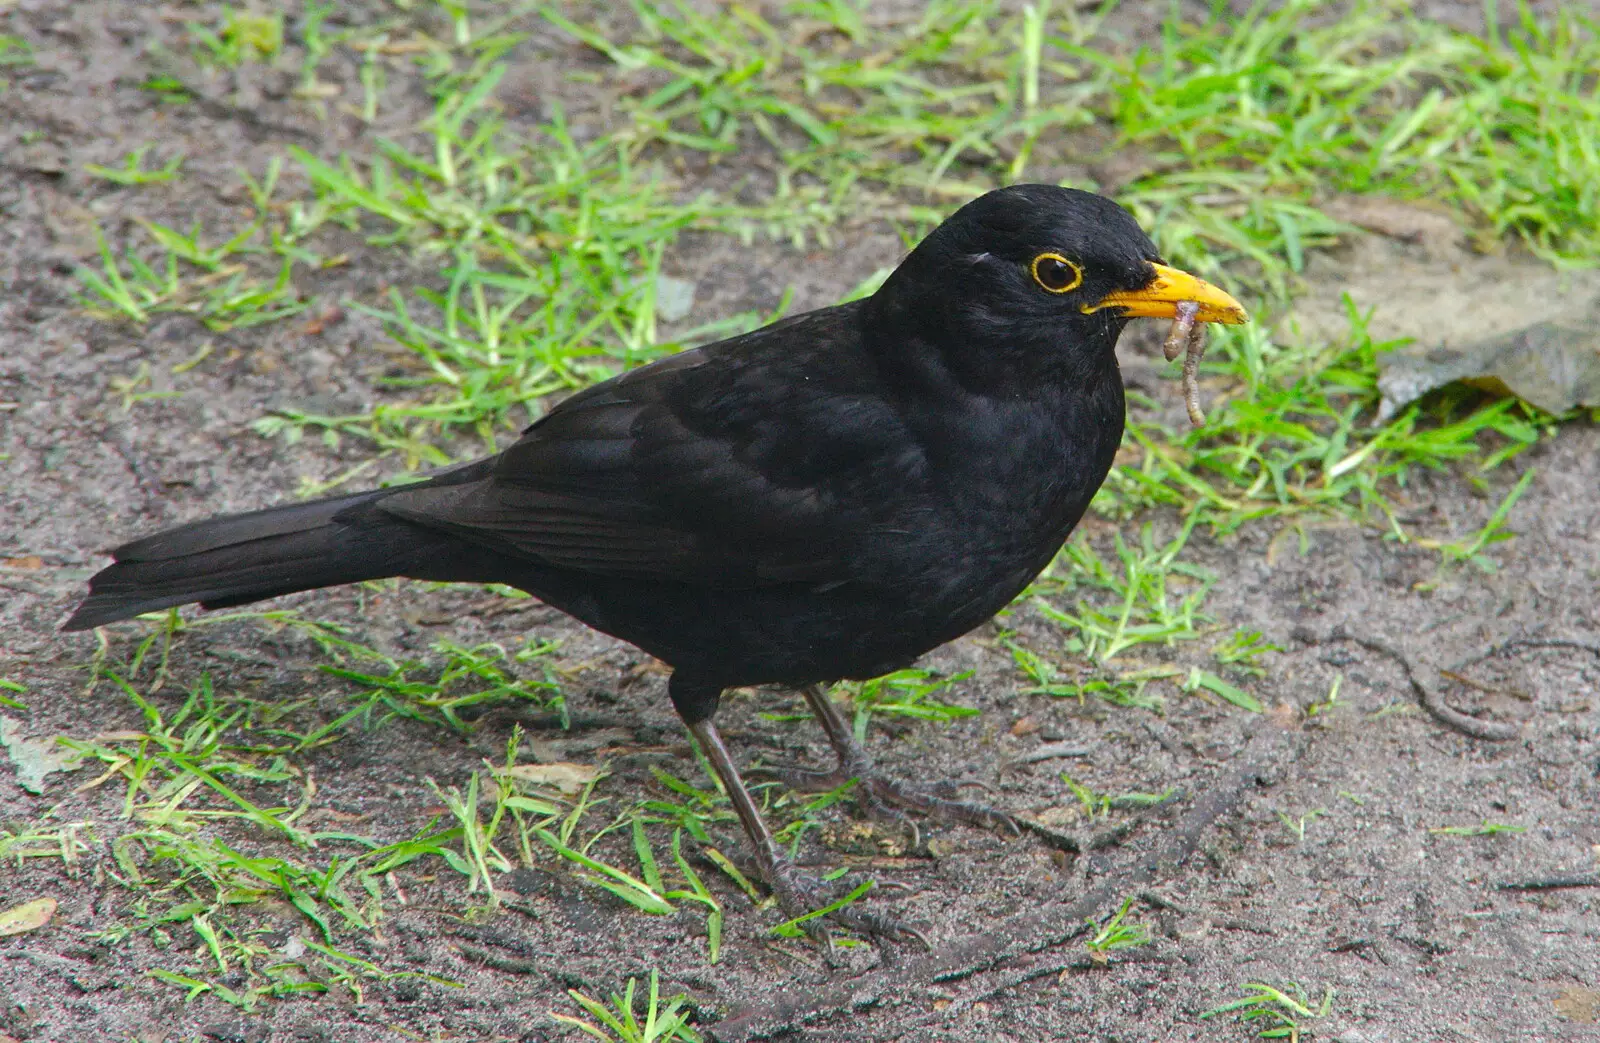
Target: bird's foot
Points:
(799, 893)
(880, 794)
(884, 796)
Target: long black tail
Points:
(240, 558)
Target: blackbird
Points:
(827, 497)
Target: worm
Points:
(1188, 337)
(1191, 373)
(1182, 328)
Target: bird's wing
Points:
(758, 461)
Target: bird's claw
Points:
(882, 796)
(933, 803)
(799, 893)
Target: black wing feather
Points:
(694, 469)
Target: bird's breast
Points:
(1011, 480)
(1026, 471)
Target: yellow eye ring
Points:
(1050, 271)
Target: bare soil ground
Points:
(1328, 874)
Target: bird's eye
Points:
(1056, 274)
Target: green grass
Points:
(238, 37)
(1154, 597)
(1246, 120)
(319, 969)
(1121, 688)
(67, 842)
(190, 775)
(1285, 1013)
(1273, 111)
(1297, 824)
(14, 53)
(1204, 680)
(619, 1022)
(551, 253)
(1116, 934)
(904, 693)
(1242, 649)
(1297, 436)
(12, 686)
(241, 281)
(1483, 829)
(1099, 805)
(133, 172)
(215, 789)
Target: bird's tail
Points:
(240, 558)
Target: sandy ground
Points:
(1408, 926)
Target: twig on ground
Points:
(496, 962)
(1052, 751)
(1552, 883)
(1549, 642)
(1512, 644)
(1427, 694)
(1487, 689)
(1077, 843)
(1169, 739)
(1024, 972)
(1015, 939)
(1150, 896)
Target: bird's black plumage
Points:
(827, 497)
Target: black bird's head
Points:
(1036, 282)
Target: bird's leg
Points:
(797, 893)
(879, 790)
(769, 856)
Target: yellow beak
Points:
(1160, 297)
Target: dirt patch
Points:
(1332, 874)
(1437, 290)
